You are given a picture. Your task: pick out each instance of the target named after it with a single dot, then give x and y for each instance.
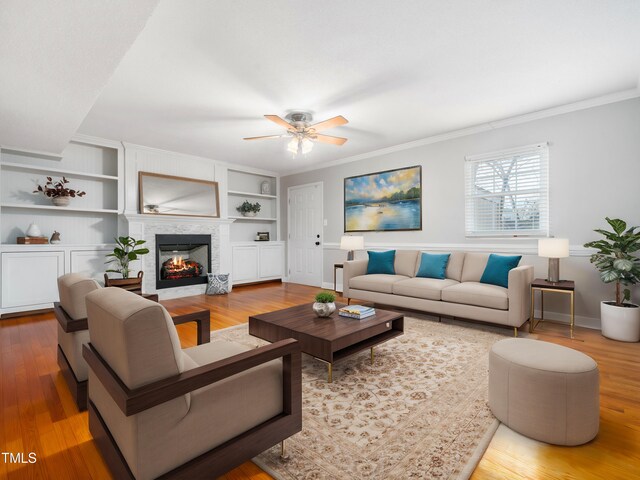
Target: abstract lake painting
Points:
(384, 201)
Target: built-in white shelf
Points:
(49, 171)
(59, 209)
(247, 194)
(253, 219)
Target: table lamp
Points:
(554, 249)
(351, 243)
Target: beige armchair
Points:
(71, 314)
(156, 410)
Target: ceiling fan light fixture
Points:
(307, 146)
(292, 146)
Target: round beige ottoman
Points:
(544, 391)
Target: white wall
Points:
(594, 172)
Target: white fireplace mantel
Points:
(146, 227)
(146, 218)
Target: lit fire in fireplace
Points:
(176, 267)
(178, 263)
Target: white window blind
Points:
(507, 193)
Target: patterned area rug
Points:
(420, 411)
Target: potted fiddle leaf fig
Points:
(618, 263)
(127, 249)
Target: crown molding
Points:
(39, 153)
(483, 127)
(91, 140)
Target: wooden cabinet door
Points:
(30, 278)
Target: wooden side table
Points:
(541, 285)
(336, 266)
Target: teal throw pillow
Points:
(381, 262)
(497, 270)
(433, 265)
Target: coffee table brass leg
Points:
(329, 372)
(371, 355)
(283, 450)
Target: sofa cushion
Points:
(433, 265)
(405, 262)
(381, 263)
(473, 267)
(429, 288)
(497, 270)
(454, 266)
(376, 282)
(479, 294)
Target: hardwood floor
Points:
(38, 414)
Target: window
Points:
(506, 193)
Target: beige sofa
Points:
(459, 295)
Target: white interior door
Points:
(305, 234)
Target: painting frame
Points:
(373, 174)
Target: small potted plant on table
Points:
(324, 305)
(127, 250)
(248, 209)
(617, 264)
(58, 191)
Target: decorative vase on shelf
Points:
(60, 201)
(248, 214)
(34, 231)
(324, 309)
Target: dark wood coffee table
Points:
(327, 339)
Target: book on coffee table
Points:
(356, 311)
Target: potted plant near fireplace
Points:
(617, 263)
(127, 249)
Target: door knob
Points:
(317, 243)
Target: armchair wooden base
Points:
(78, 389)
(226, 456)
(211, 464)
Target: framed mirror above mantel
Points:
(170, 195)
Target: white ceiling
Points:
(202, 73)
(55, 58)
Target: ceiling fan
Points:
(302, 133)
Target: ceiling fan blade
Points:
(329, 139)
(280, 121)
(332, 122)
(263, 137)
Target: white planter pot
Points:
(60, 201)
(620, 323)
(324, 309)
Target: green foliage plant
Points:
(247, 206)
(127, 250)
(325, 297)
(616, 259)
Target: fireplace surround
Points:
(182, 260)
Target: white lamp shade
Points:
(351, 242)
(553, 247)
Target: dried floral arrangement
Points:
(58, 188)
